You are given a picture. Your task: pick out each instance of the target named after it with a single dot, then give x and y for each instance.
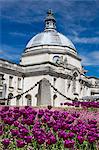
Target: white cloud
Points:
(85, 40)
(89, 40)
(95, 55)
(18, 34)
(90, 58)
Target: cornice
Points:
(11, 71)
(9, 62)
(49, 51)
(50, 45)
(46, 71)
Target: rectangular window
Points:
(74, 86)
(1, 79)
(19, 83)
(10, 81)
(17, 102)
(68, 84)
(0, 94)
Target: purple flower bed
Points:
(82, 104)
(44, 129)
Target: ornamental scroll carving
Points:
(60, 60)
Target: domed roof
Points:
(50, 36)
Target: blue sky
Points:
(20, 20)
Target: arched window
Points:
(54, 98)
(29, 99)
(54, 83)
(56, 59)
(75, 99)
(68, 83)
(10, 95)
(74, 81)
(18, 100)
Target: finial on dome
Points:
(50, 20)
(50, 12)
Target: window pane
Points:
(19, 83)
(1, 79)
(10, 81)
(0, 94)
(29, 102)
(17, 102)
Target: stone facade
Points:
(52, 56)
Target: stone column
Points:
(44, 93)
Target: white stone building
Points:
(52, 56)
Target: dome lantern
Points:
(50, 21)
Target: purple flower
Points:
(41, 140)
(70, 134)
(5, 108)
(16, 109)
(40, 113)
(24, 131)
(53, 139)
(20, 136)
(1, 127)
(8, 121)
(14, 132)
(16, 123)
(50, 124)
(49, 134)
(55, 128)
(6, 142)
(48, 142)
(69, 143)
(62, 134)
(45, 119)
(29, 121)
(23, 121)
(9, 114)
(20, 143)
(1, 132)
(64, 126)
(28, 139)
(80, 139)
(91, 139)
(76, 115)
(92, 121)
(3, 115)
(16, 116)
